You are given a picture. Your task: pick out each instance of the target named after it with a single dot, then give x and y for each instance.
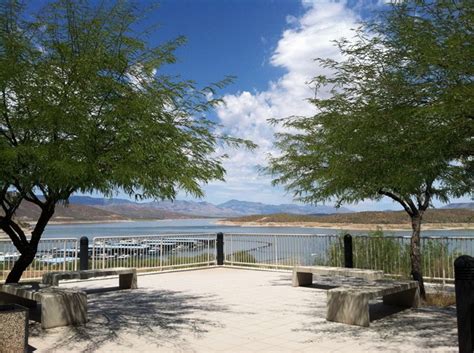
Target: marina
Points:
(170, 244)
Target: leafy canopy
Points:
(395, 117)
(84, 107)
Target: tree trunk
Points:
(415, 253)
(26, 258)
(28, 249)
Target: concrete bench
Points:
(303, 275)
(350, 304)
(127, 276)
(57, 306)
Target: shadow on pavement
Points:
(430, 327)
(158, 317)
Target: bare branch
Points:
(399, 199)
(5, 225)
(11, 138)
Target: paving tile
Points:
(232, 310)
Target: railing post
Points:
(464, 285)
(220, 249)
(84, 254)
(348, 259)
(276, 250)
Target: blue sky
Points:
(269, 45)
(235, 37)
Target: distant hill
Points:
(70, 213)
(181, 208)
(385, 217)
(246, 207)
(97, 201)
(143, 211)
(177, 208)
(466, 205)
(86, 208)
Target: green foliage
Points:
(438, 259)
(84, 106)
(334, 254)
(395, 118)
(381, 252)
(241, 256)
(377, 251)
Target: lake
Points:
(172, 226)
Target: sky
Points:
(270, 46)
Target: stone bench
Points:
(127, 276)
(303, 275)
(350, 304)
(57, 306)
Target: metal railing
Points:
(52, 255)
(392, 255)
(153, 252)
(388, 253)
(274, 251)
(279, 251)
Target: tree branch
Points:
(5, 225)
(29, 195)
(46, 214)
(400, 200)
(427, 194)
(21, 234)
(415, 211)
(11, 138)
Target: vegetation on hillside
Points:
(387, 217)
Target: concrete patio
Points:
(236, 310)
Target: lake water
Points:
(201, 226)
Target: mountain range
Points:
(466, 205)
(86, 208)
(232, 208)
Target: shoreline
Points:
(131, 220)
(350, 226)
(85, 222)
(336, 226)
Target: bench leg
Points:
(348, 308)
(302, 279)
(409, 298)
(50, 279)
(63, 309)
(128, 281)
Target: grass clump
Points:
(439, 298)
(241, 256)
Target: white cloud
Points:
(246, 114)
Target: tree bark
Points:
(28, 249)
(415, 253)
(26, 258)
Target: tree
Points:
(393, 119)
(83, 107)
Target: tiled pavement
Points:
(236, 310)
